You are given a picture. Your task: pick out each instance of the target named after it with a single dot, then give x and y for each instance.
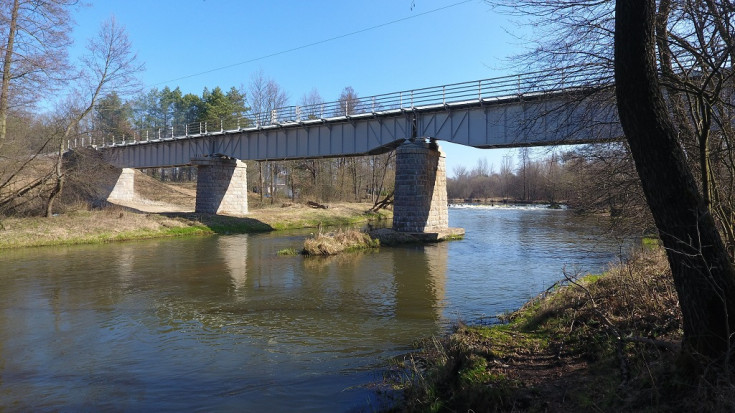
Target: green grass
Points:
(288, 252)
(650, 242)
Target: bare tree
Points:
(110, 65)
(34, 53)
(349, 102)
(684, 161)
(264, 96)
(703, 273)
(312, 105)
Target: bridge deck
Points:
(491, 113)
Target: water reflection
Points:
(420, 278)
(223, 323)
(234, 253)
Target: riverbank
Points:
(602, 343)
(116, 223)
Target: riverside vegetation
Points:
(81, 224)
(116, 223)
(598, 343)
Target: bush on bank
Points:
(603, 343)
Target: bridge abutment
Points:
(124, 189)
(221, 186)
(420, 201)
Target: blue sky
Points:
(377, 46)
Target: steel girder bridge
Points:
(533, 109)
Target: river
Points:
(224, 324)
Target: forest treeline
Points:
(591, 178)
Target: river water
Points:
(224, 324)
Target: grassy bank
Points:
(120, 224)
(601, 343)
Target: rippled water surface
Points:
(224, 324)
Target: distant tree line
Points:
(593, 178)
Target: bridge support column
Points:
(124, 189)
(420, 200)
(222, 186)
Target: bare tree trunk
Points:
(60, 179)
(260, 180)
(702, 272)
(273, 178)
(6, 72)
(291, 180)
(355, 180)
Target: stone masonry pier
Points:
(420, 205)
(221, 186)
(124, 189)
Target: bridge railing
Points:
(512, 86)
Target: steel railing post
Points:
(519, 85)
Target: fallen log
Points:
(317, 205)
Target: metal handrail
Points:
(477, 90)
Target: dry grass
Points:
(180, 194)
(81, 227)
(295, 215)
(338, 241)
(601, 343)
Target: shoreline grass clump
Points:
(339, 241)
(288, 252)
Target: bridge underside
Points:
(544, 119)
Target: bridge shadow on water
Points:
(222, 224)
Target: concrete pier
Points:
(221, 186)
(124, 189)
(420, 204)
